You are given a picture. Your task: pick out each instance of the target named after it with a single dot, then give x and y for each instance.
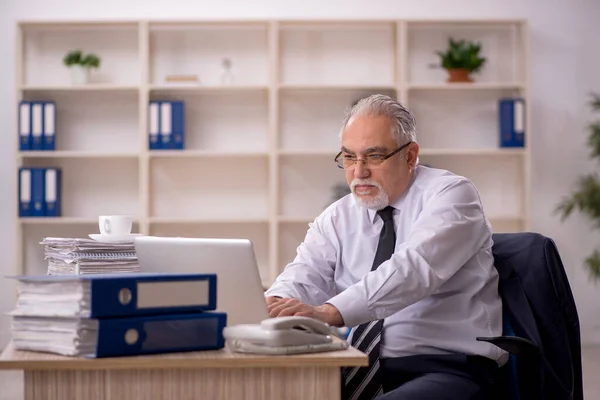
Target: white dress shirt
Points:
(439, 290)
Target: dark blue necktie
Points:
(365, 382)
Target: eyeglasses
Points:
(348, 161)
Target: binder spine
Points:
(178, 125)
(37, 126)
(52, 192)
(160, 334)
(49, 132)
(166, 129)
(38, 185)
(168, 293)
(154, 126)
(25, 199)
(24, 126)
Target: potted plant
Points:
(586, 198)
(461, 59)
(80, 65)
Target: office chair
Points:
(541, 325)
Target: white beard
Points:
(381, 200)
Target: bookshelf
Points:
(258, 157)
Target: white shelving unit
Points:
(258, 161)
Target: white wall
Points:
(564, 69)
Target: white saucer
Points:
(114, 238)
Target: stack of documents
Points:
(117, 314)
(73, 256)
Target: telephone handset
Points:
(282, 332)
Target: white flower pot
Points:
(79, 75)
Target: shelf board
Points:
(57, 220)
(467, 86)
(61, 220)
(74, 154)
(171, 221)
(204, 153)
(472, 152)
(81, 88)
(317, 87)
(185, 87)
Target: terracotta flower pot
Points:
(459, 75)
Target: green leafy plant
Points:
(91, 61)
(462, 54)
(586, 198)
(76, 57)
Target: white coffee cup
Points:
(116, 225)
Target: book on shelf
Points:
(117, 314)
(37, 125)
(78, 256)
(166, 125)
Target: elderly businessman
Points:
(406, 261)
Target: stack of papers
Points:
(75, 256)
(53, 316)
(64, 336)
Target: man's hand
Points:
(287, 307)
(272, 299)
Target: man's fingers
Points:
(275, 308)
(277, 303)
(305, 313)
(291, 310)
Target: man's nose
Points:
(360, 170)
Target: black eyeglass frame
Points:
(398, 150)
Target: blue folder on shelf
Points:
(115, 295)
(166, 125)
(37, 126)
(24, 126)
(154, 125)
(38, 188)
(49, 132)
(39, 192)
(512, 122)
(52, 192)
(25, 189)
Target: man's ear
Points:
(412, 154)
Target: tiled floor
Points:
(11, 382)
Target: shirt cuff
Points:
(352, 305)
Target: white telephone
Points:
(283, 335)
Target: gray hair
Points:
(404, 125)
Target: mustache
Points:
(358, 181)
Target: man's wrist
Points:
(332, 315)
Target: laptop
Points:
(239, 287)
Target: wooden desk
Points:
(220, 374)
